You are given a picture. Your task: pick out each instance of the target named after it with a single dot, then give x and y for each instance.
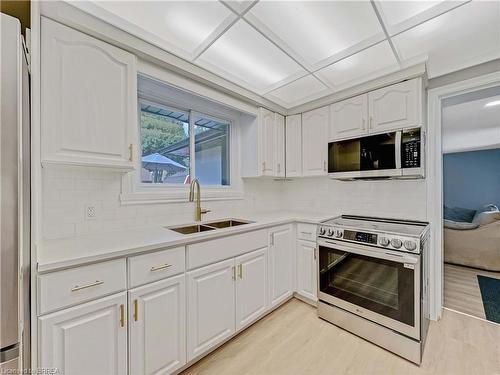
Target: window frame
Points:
(134, 191)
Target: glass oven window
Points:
(378, 285)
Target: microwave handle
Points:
(398, 149)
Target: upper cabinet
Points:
(293, 143)
(389, 108)
(89, 100)
(314, 142)
(263, 145)
(395, 107)
(348, 118)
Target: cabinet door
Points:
(211, 303)
(348, 118)
(86, 339)
(251, 287)
(89, 100)
(315, 142)
(307, 270)
(267, 123)
(280, 145)
(293, 146)
(157, 316)
(280, 264)
(395, 107)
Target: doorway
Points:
(470, 135)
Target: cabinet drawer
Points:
(306, 231)
(143, 269)
(69, 287)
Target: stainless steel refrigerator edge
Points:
(14, 196)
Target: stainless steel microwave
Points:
(398, 154)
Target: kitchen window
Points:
(178, 146)
(183, 137)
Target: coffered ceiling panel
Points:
(314, 31)
(401, 15)
(244, 56)
(302, 90)
(363, 66)
(182, 27)
(465, 36)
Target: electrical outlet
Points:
(90, 212)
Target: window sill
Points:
(179, 196)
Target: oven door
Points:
(377, 284)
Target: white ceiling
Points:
(472, 121)
(292, 52)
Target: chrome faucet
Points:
(198, 211)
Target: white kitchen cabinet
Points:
(87, 339)
(307, 270)
(157, 323)
(89, 100)
(293, 146)
(395, 107)
(315, 142)
(267, 124)
(211, 306)
(349, 118)
(280, 264)
(280, 145)
(251, 287)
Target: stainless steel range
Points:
(372, 280)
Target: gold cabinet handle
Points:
(324, 165)
(240, 271)
(159, 268)
(122, 315)
(80, 287)
(136, 310)
(363, 125)
(370, 122)
(279, 167)
(263, 166)
(130, 152)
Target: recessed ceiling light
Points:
(492, 104)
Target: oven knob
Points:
(338, 233)
(410, 245)
(330, 232)
(396, 243)
(384, 241)
(321, 231)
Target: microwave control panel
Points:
(410, 149)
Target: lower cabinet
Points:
(280, 264)
(157, 327)
(223, 298)
(251, 287)
(87, 339)
(211, 306)
(307, 270)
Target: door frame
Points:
(435, 178)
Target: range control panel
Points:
(370, 238)
(388, 241)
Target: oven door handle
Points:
(371, 252)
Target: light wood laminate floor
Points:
(461, 289)
(293, 340)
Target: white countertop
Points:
(70, 252)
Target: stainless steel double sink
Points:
(213, 225)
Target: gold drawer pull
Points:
(159, 268)
(78, 287)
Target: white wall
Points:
(67, 191)
(405, 199)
